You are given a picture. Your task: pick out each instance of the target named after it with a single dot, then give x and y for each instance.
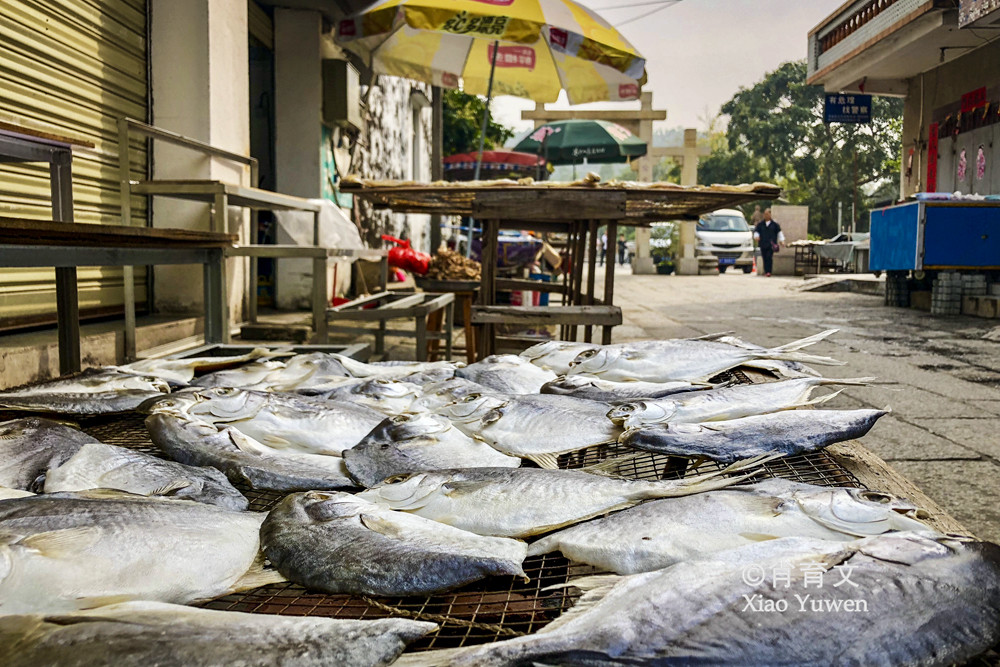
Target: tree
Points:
(776, 134)
(463, 120)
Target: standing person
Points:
(757, 216)
(604, 247)
(621, 249)
(769, 237)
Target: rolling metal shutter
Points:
(73, 65)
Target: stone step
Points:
(982, 306)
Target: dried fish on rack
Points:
(450, 265)
(339, 543)
(507, 373)
(418, 443)
(67, 551)
(728, 402)
(781, 433)
(92, 392)
(519, 502)
(684, 359)
(914, 598)
(659, 533)
(137, 634)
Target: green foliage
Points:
(463, 119)
(776, 134)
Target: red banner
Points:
(932, 158)
(974, 99)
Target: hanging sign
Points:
(847, 108)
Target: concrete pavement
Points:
(939, 375)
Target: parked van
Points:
(726, 235)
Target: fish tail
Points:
(821, 399)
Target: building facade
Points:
(257, 78)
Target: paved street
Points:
(939, 376)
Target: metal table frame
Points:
(397, 305)
(67, 257)
(319, 257)
(18, 147)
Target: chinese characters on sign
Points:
(513, 56)
(847, 108)
(463, 24)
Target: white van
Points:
(726, 235)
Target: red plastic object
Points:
(405, 257)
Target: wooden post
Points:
(579, 254)
(609, 280)
(588, 331)
(487, 291)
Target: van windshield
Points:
(723, 223)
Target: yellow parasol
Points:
(528, 48)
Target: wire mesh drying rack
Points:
(489, 610)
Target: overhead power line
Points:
(632, 5)
(659, 8)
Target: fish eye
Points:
(395, 479)
(471, 397)
(876, 497)
(385, 446)
(588, 354)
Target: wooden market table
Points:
(577, 209)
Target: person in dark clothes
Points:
(769, 238)
(621, 249)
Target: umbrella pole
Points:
(482, 135)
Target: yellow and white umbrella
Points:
(527, 48)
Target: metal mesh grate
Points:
(494, 608)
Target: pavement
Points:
(939, 375)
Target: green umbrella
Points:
(573, 141)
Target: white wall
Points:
(200, 62)
(939, 88)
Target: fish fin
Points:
(758, 537)
(610, 466)
(379, 525)
(594, 590)
(548, 461)
(258, 575)
(821, 399)
(105, 600)
(66, 543)
(435, 658)
(859, 382)
(276, 441)
(170, 487)
(805, 342)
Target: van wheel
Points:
(747, 269)
(723, 267)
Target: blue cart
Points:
(932, 235)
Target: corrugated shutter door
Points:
(74, 65)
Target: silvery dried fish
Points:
(555, 355)
(728, 402)
(99, 466)
(242, 458)
(789, 432)
(915, 598)
(93, 392)
(659, 533)
(596, 389)
(682, 359)
(538, 428)
(30, 446)
(518, 502)
(182, 371)
(416, 443)
(389, 397)
(67, 551)
(139, 634)
(507, 374)
(339, 543)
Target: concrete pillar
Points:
(298, 87)
(688, 264)
(642, 263)
(200, 77)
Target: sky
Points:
(699, 52)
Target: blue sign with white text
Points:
(839, 108)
